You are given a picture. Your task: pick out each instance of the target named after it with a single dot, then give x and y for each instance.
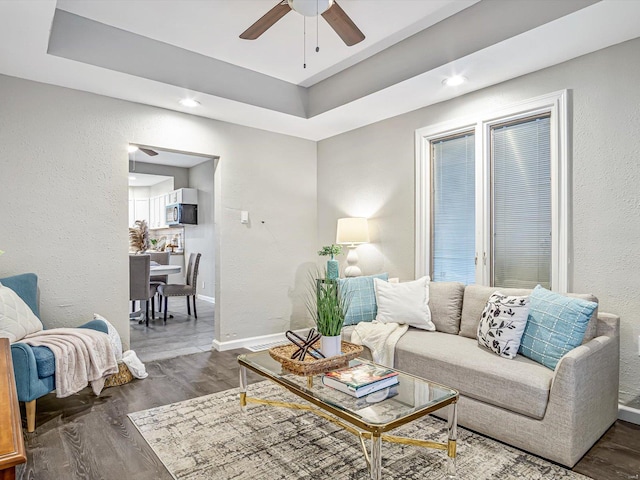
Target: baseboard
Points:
(253, 341)
(204, 298)
(629, 414)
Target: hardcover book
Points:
(361, 380)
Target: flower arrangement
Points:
(330, 250)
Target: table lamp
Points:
(352, 232)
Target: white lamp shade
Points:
(352, 231)
(310, 8)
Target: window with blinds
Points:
(521, 203)
(453, 209)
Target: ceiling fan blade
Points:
(337, 18)
(148, 151)
(266, 21)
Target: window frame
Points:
(556, 104)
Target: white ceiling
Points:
(163, 157)
(145, 179)
(489, 42)
(212, 28)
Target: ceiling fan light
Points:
(310, 8)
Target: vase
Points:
(331, 346)
(333, 269)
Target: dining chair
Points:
(139, 286)
(186, 290)
(161, 258)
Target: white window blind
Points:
(521, 203)
(453, 209)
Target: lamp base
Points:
(352, 259)
(352, 271)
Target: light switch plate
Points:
(244, 216)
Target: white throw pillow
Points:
(16, 318)
(406, 302)
(114, 336)
(502, 324)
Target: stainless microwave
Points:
(181, 214)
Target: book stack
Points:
(361, 380)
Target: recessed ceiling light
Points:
(454, 81)
(189, 102)
(132, 148)
(131, 177)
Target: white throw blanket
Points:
(82, 356)
(380, 338)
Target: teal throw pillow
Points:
(555, 326)
(362, 306)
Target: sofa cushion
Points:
(520, 385)
(475, 299)
(404, 303)
(361, 296)
(502, 324)
(17, 320)
(556, 325)
(591, 331)
(445, 303)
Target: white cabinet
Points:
(184, 195)
(142, 209)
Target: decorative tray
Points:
(314, 366)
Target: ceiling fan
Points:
(329, 9)
(148, 151)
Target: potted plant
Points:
(333, 268)
(327, 307)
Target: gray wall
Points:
(63, 191)
(370, 172)
(200, 238)
(180, 175)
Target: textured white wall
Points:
(200, 238)
(63, 192)
(370, 172)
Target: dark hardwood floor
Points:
(88, 437)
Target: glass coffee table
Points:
(369, 417)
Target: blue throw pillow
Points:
(362, 306)
(556, 325)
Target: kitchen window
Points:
(492, 197)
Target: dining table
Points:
(157, 270)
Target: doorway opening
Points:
(171, 220)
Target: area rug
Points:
(210, 438)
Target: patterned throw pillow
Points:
(362, 305)
(556, 325)
(502, 324)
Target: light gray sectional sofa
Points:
(557, 414)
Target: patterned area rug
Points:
(210, 438)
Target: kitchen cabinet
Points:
(184, 195)
(142, 209)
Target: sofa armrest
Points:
(97, 325)
(608, 324)
(584, 392)
(25, 370)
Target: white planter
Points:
(331, 346)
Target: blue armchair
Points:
(34, 367)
